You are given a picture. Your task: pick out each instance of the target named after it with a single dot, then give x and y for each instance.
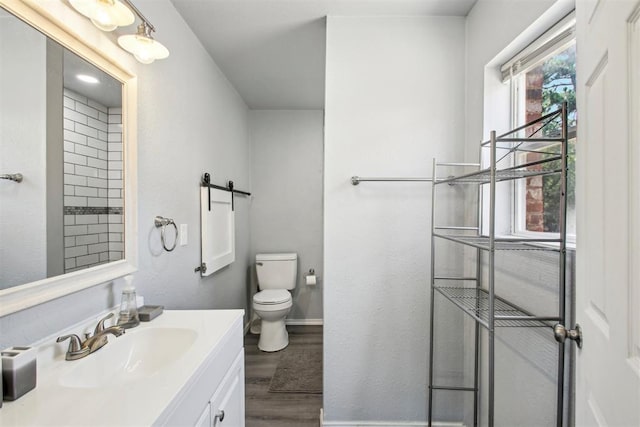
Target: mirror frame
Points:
(55, 19)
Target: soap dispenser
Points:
(128, 306)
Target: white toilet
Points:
(277, 274)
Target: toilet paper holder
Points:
(310, 277)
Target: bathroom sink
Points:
(137, 355)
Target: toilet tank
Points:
(277, 271)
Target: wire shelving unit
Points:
(479, 300)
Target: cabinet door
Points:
(227, 404)
(205, 418)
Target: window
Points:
(542, 77)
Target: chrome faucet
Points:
(78, 349)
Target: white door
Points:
(608, 188)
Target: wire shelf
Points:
(502, 244)
(475, 302)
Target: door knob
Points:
(561, 334)
(219, 416)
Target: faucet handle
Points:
(75, 351)
(100, 326)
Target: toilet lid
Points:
(272, 296)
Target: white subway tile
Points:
(69, 241)
(103, 219)
(69, 263)
(103, 135)
(69, 219)
(86, 130)
(87, 239)
(68, 146)
(74, 158)
(115, 155)
(103, 155)
(87, 260)
(103, 192)
(115, 118)
(102, 174)
(98, 106)
(75, 230)
(97, 163)
(96, 143)
(103, 117)
(104, 256)
(115, 174)
(115, 165)
(89, 192)
(97, 124)
(86, 171)
(97, 202)
(114, 193)
(86, 151)
(116, 228)
(71, 136)
(68, 124)
(115, 146)
(115, 219)
(115, 237)
(115, 137)
(116, 246)
(115, 255)
(115, 110)
(97, 182)
(75, 96)
(74, 179)
(75, 201)
(68, 102)
(69, 190)
(98, 247)
(115, 203)
(75, 251)
(87, 111)
(87, 219)
(115, 128)
(74, 115)
(103, 237)
(69, 168)
(99, 228)
(115, 183)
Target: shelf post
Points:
(491, 302)
(433, 284)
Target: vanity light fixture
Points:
(110, 14)
(105, 14)
(142, 45)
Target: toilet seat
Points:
(272, 297)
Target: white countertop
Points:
(142, 401)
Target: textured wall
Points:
(188, 123)
(394, 100)
(286, 210)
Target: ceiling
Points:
(273, 51)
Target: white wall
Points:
(23, 149)
(190, 120)
(286, 207)
(394, 100)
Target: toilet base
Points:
(273, 336)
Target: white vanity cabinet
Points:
(216, 388)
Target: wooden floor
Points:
(264, 409)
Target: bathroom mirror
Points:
(67, 117)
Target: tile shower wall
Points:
(93, 185)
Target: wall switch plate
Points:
(184, 235)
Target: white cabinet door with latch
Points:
(227, 404)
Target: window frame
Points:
(558, 38)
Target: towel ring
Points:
(162, 223)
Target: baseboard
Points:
(324, 423)
(304, 322)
